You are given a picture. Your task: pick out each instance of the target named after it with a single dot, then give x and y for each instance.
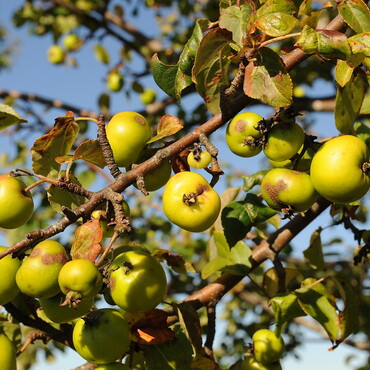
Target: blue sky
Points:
(31, 72)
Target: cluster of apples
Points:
(338, 170)
(56, 54)
(65, 291)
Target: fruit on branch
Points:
(283, 141)
(304, 163)
(108, 230)
(250, 363)
(113, 366)
(55, 54)
(8, 359)
(340, 169)
(268, 348)
(241, 134)
(127, 133)
(284, 188)
(137, 281)
(80, 279)
(190, 202)
(102, 336)
(16, 206)
(38, 275)
(199, 161)
(114, 81)
(58, 314)
(148, 96)
(8, 269)
(71, 41)
(158, 178)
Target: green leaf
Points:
(343, 72)
(57, 142)
(235, 20)
(189, 321)
(356, 14)
(239, 217)
(316, 302)
(210, 71)
(222, 246)
(172, 79)
(313, 254)
(349, 317)
(213, 266)
(365, 107)
(172, 355)
(165, 75)
(275, 17)
(59, 198)
(286, 308)
(101, 54)
(349, 101)
(237, 261)
(328, 44)
(268, 80)
(360, 43)
(9, 117)
(251, 181)
(363, 132)
(187, 57)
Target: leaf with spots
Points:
(268, 80)
(57, 142)
(87, 240)
(210, 70)
(356, 14)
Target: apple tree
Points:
(131, 236)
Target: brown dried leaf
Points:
(176, 261)
(167, 126)
(87, 241)
(150, 328)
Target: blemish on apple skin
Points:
(201, 189)
(274, 190)
(112, 283)
(49, 259)
(239, 126)
(140, 120)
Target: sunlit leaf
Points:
(356, 14)
(210, 70)
(268, 80)
(167, 126)
(57, 142)
(9, 117)
(349, 101)
(86, 244)
(360, 43)
(315, 302)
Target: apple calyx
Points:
(366, 168)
